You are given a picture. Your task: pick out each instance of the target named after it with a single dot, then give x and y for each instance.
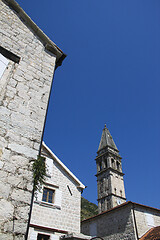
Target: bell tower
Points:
(110, 184)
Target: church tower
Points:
(110, 184)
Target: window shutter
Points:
(58, 197)
(3, 64)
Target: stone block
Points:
(29, 152)
(19, 227)
(6, 210)
(22, 212)
(5, 190)
(1, 164)
(20, 195)
(6, 236)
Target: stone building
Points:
(117, 219)
(110, 184)
(57, 207)
(28, 59)
(129, 221)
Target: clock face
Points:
(119, 201)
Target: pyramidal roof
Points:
(106, 140)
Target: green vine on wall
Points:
(39, 172)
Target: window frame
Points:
(57, 198)
(47, 197)
(41, 236)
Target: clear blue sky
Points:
(111, 75)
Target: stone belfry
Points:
(110, 184)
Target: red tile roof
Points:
(152, 234)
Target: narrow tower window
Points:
(100, 166)
(112, 162)
(106, 164)
(118, 165)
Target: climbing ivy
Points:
(39, 172)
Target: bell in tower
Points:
(110, 183)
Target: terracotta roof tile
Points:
(152, 234)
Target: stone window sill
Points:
(46, 204)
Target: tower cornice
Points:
(108, 151)
(110, 169)
(112, 194)
(107, 147)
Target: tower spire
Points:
(106, 140)
(110, 183)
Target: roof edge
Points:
(81, 186)
(48, 228)
(145, 236)
(107, 146)
(49, 45)
(102, 213)
(119, 206)
(145, 206)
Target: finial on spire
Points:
(105, 126)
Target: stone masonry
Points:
(116, 224)
(24, 92)
(128, 221)
(110, 183)
(63, 214)
(146, 218)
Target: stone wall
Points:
(64, 213)
(146, 218)
(24, 92)
(128, 221)
(116, 224)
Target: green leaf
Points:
(39, 172)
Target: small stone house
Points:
(28, 59)
(127, 221)
(56, 208)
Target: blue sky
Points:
(111, 75)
